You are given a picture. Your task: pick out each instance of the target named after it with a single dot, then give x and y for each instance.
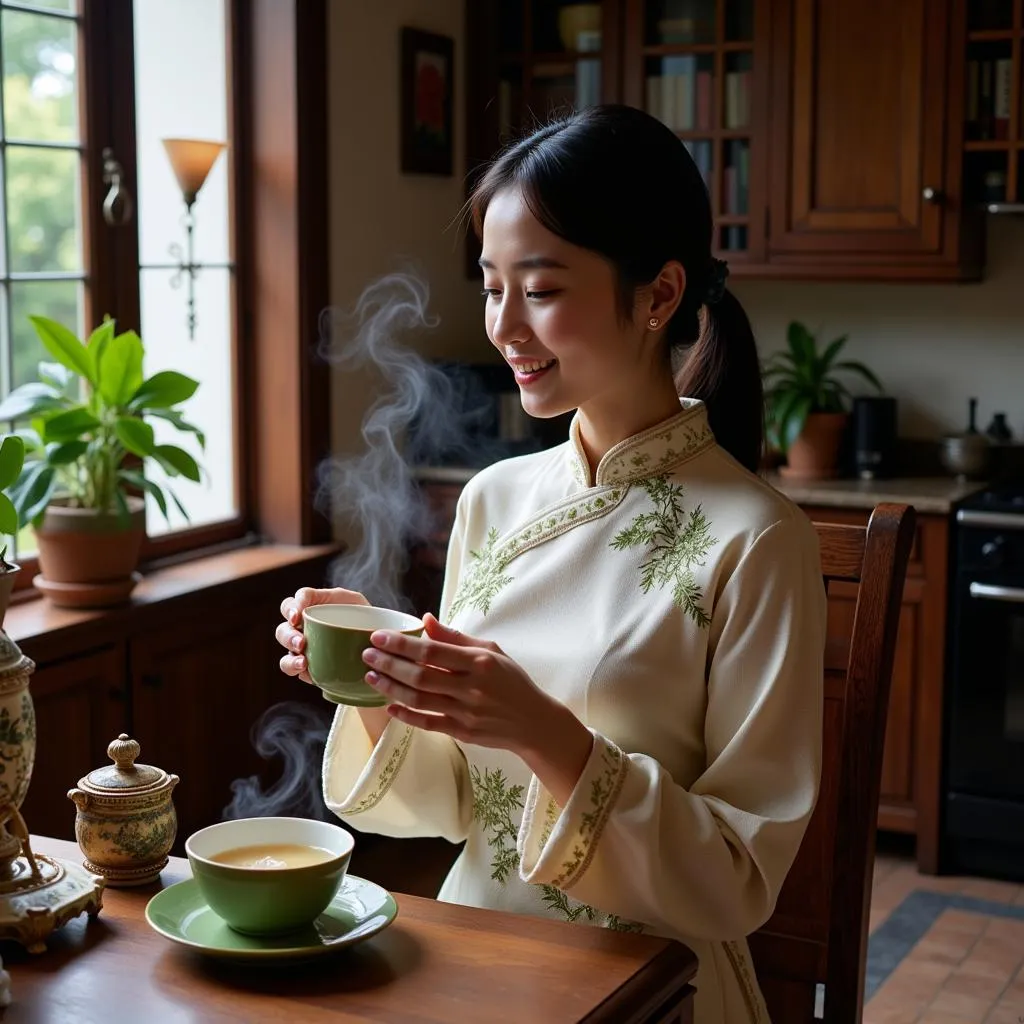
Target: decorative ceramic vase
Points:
(126, 822)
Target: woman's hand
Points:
(471, 690)
(289, 633)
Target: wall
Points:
(933, 346)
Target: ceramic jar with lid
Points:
(126, 822)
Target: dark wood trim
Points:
(47, 634)
(284, 121)
(108, 118)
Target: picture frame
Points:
(427, 93)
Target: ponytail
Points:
(722, 370)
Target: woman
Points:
(620, 708)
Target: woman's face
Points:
(551, 312)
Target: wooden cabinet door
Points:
(81, 704)
(198, 687)
(859, 108)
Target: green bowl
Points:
(336, 636)
(268, 901)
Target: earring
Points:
(653, 323)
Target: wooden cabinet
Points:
(830, 135)
(862, 174)
(187, 671)
(81, 704)
(912, 762)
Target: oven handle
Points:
(994, 593)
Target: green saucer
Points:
(360, 909)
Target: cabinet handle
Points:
(117, 206)
(932, 195)
(152, 681)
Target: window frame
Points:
(277, 50)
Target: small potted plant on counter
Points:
(89, 441)
(806, 403)
(12, 458)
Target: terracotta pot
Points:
(814, 455)
(88, 559)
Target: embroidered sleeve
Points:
(412, 783)
(707, 859)
(557, 845)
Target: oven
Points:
(984, 763)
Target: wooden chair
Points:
(818, 933)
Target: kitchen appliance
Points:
(874, 435)
(983, 829)
(966, 455)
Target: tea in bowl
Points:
(267, 876)
(336, 636)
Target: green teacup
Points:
(269, 900)
(336, 636)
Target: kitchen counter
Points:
(928, 494)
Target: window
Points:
(86, 82)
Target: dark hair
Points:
(616, 181)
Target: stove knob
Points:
(993, 551)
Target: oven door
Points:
(986, 706)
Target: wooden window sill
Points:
(200, 582)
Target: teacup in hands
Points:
(336, 636)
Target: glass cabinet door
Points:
(697, 64)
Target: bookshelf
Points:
(692, 63)
(994, 105)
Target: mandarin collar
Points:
(652, 452)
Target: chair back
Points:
(817, 935)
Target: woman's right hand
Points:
(289, 633)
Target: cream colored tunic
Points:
(676, 605)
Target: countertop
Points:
(934, 494)
(928, 494)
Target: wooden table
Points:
(437, 963)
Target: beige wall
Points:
(934, 346)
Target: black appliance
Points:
(983, 829)
(874, 435)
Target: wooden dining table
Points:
(437, 963)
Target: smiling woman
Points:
(619, 708)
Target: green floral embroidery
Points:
(387, 774)
(494, 803)
(603, 791)
(486, 576)
(677, 543)
(620, 924)
(658, 450)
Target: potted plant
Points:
(12, 458)
(89, 441)
(806, 404)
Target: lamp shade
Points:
(191, 160)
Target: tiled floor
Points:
(969, 966)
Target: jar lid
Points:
(124, 775)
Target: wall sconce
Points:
(191, 160)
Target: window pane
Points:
(43, 209)
(209, 359)
(40, 94)
(70, 6)
(192, 106)
(170, 104)
(59, 300)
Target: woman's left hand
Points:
(470, 689)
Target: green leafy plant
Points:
(12, 459)
(801, 380)
(89, 414)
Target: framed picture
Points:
(428, 82)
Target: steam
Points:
(420, 409)
(422, 414)
(297, 734)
